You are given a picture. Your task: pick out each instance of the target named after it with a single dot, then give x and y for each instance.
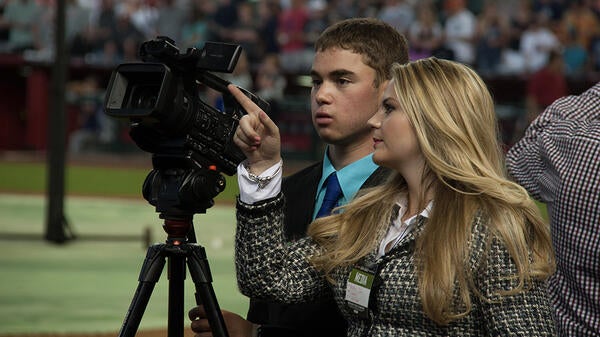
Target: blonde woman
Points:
(447, 247)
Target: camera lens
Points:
(144, 97)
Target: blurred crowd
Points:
(496, 37)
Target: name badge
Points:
(358, 290)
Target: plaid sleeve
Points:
(543, 159)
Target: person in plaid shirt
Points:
(558, 162)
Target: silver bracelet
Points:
(261, 181)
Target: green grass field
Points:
(87, 284)
(88, 180)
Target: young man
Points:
(349, 74)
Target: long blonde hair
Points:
(452, 113)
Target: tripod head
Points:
(178, 187)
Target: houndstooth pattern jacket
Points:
(270, 268)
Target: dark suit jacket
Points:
(320, 319)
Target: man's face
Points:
(343, 97)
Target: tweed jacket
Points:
(320, 318)
(272, 269)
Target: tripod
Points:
(178, 250)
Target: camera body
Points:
(160, 97)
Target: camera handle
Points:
(178, 250)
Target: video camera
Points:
(160, 97)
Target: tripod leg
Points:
(205, 294)
(176, 291)
(149, 275)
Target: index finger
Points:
(246, 103)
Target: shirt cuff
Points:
(251, 192)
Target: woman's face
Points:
(395, 141)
